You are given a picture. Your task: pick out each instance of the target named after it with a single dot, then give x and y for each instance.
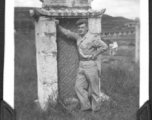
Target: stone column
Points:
(46, 53)
(94, 22)
(67, 3)
(94, 25)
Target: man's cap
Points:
(81, 21)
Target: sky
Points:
(126, 8)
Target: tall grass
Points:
(119, 80)
(25, 72)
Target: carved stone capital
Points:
(67, 13)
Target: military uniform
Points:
(87, 80)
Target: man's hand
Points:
(94, 57)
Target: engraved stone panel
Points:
(67, 3)
(67, 61)
(94, 25)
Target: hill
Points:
(110, 23)
(23, 20)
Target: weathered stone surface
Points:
(46, 49)
(94, 25)
(67, 3)
(68, 61)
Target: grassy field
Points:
(120, 81)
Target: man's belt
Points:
(86, 59)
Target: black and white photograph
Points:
(77, 59)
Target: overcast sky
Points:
(125, 8)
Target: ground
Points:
(119, 80)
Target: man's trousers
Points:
(87, 85)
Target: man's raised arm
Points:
(67, 33)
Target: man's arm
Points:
(68, 33)
(101, 47)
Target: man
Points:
(87, 81)
(113, 48)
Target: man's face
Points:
(82, 29)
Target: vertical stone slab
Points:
(94, 25)
(46, 53)
(58, 3)
(68, 61)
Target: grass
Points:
(119, 80)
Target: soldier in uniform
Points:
(87, 82)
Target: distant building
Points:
(129, 33)
(124, 33)
(120, 33)
(130, 24)
(115, 34)
(109, 35)
(103, 35)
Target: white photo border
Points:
(9, 53)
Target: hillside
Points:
(24, 21)
(110, 23)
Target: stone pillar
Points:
(46, 53)
(137, 41)
(94, 25)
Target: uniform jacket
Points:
(88, 45)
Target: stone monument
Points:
(57, 59)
